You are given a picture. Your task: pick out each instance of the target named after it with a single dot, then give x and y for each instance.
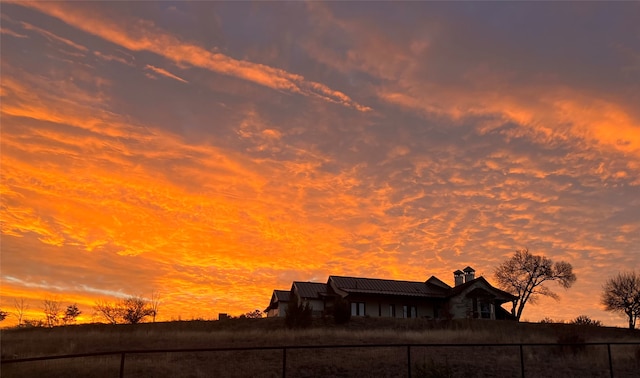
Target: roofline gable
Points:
(433, 280)
(460, 288)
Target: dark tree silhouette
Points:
(3, 315)
(51, 312)
(341, 311)
(135, 309)
(71, 314)
(524, 275)
(621, 293)
(21, 307)
(298, 315)
(111, 312)
(130, 310)
(154, 303)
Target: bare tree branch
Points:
(135, 309)
(154, 303)
(111, 312)
(130, 310)
(21, 307)
(52, 312)
(524, 275)
(621, 293)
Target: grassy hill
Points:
(445, 361)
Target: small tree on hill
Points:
(298, 315)
(71, 314)
(621, 293)
(154, 303)
(135, 309)
(111, 312)
(130, 310)
(52, 312)
(524, 275)
(21, 307)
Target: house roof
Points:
(433, 280)
(310, 289)
(388, 287)
(501, 294)
(432, 288)
(282, 295)
(277, 297)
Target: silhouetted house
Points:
(278, 305)
(313, 293)
(470, 297)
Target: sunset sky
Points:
(213, 152)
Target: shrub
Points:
(298, 315)
(547, 320)
(585, 320)
(33, 323)
(341, 311)
(255, 314)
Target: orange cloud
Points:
(100, 201)
(554, 114)
(96, 196)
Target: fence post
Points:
(521, 362)
(122, 365)
(284, 362)
(409, 361)
(610, 363)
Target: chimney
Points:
(469, 274)
(458, 277)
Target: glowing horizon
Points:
(214, 152)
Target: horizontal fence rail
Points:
(285, 348)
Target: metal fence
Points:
(284, 349)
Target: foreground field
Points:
(346, 362)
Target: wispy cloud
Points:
(137, 36)
(111, 57)
(54, 38)
(165, 73)
(12, 33)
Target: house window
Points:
(357, 308)
(392, 311)
(409, 311)
(485, 310)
